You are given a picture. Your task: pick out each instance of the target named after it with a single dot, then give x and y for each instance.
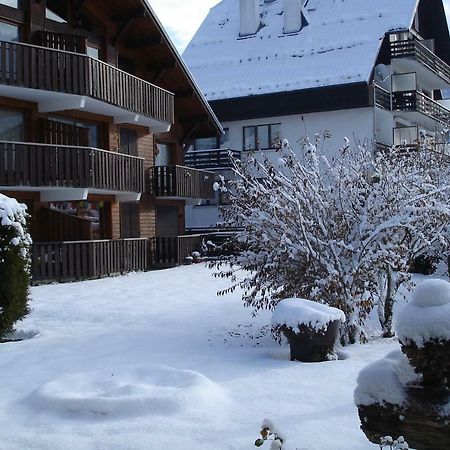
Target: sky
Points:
(181, 18)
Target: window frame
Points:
(255, 129)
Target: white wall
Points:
(356, 124)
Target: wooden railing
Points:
(60, 41)
(172, 251)
(45, 165)
(413, 48)
(78, 260)
(54, 132)
(54, 70)
(181, 182)
(382, 98)
(416, 101)
(59, 226)
(211, 159)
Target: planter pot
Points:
(309, 345)
(432, 361)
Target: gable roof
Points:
(339, 46)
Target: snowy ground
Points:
(158, 361)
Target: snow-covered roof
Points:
(339, 46)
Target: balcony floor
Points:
(49, 101)
(427, 76)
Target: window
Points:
(12, 3)
(129, 220)
(9, 32)
(262, 137)
(11, 125)
(212, 143)
(128, 142)
(92, 51)
(94, 130)
(56, 10)
(164, 154)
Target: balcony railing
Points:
(382, 98)
(211, 159)
(78, 260)
(46, 165)
(171, 251)
(413, 48)
(181, 182)
(416, 101)
(47, 69)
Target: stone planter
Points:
(311, 328)
(309, 345)
(408, 392)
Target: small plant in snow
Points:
(388, 443)
(268, 434)
(341, 232)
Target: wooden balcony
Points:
(414, 49)
(32, 165)
(211, 159)
(416, 101)
(79, 260)
(101, 88)
(382, 98)
(181, 182)
(173, 250)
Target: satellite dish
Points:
(382, 73)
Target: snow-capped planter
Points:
(310, 328)
(389, 400)
(423, 328)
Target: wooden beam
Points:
(187, 137)
(135, 44)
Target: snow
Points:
(384, 381)
(294, 312)
(103, 366)
(427, 316)
(13, 214)
(339, 46)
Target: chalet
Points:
(369, 70)
(95, 109)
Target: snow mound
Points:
(384, 381)
(431, 293)
(427, 316)
(293, 312)
(150, 390)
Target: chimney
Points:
(293, 16)
(250, 17)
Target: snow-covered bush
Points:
(14, 263)
(341, 232)
(389, 443)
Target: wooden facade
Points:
(88, 91)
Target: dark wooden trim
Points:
(45, 165)
(181, 182)
(164, 65)
(329, 98)
(53, 70)
(78, 260)
(12, 14)
(137, 13)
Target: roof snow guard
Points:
(339, 46)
